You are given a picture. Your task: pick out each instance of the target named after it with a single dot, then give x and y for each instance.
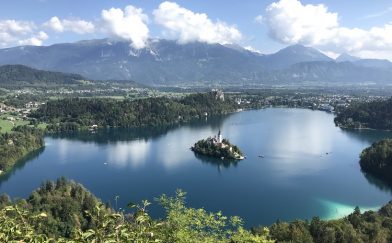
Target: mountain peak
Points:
(299, 49)
(296, 54)
(344, 57)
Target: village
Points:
(11, 116)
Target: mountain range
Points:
(165, 62)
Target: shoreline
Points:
(19, 159)
(364, 128)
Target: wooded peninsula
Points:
(81, 114)
(374, 115)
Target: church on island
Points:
(217, 139)
(217, 147)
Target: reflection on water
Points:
(106, 136)
(132, 153)
(367, 135)
(302, 135)
(219, 163)
(379, 183)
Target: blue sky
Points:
(359, 27)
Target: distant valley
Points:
(167, 63)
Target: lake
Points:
(310, 167)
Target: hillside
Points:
(19, 75)
(334, 72)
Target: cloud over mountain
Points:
(35, 40)
(292, 22)
(128, 24)
(188, 26)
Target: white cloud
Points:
(35, 40)
(331, 54)
(259, 19)
(14, 32)
(129, 24)
(252, 49)
(188, 26)
(55, 24)
(291, 22)
(72, 25)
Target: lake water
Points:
(296, 179)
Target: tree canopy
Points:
(375, 114)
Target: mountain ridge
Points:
(165, 62)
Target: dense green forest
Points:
(64, 211)
(16, 145)
(209, 148)
(77, 114)
(375, 114)
(19, 75)
(377, 159)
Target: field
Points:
(6, 125)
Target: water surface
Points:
(310, 167)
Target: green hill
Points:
(19, 75)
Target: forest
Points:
(17, 144)
(377, 159)
(374, 114)
(80, 114)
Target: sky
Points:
(358, 27)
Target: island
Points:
(218, 148)
(377, 160)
